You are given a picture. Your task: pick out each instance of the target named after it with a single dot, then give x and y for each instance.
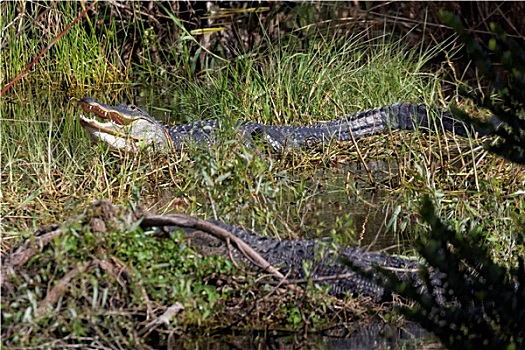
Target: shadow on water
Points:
(342, 202)
(335, 200)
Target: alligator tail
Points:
(397, 116)
(402, 116)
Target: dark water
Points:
(336, 198)
(374, 335)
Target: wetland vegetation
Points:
(51, 171)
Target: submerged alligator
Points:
(296, 261)
(323, 262)
(130, 128)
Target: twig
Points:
(165, 318)
(214, 230)
(362, 159)
(26, 252)
(62, 286)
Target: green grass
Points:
(79, 59)
(50, 170)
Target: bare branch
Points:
(165, 318)
(62, 286)
(186, 221)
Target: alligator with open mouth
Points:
(131, 129)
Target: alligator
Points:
(297, 260)
(344, 270)
(131, 129)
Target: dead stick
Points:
(181, 220)
(165, 318)
(24, 253)
(62, 286)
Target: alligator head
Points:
(129, 128)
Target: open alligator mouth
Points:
(118, 117)
(90, 105)
(101, 110)
(123, 127)
(109, 128)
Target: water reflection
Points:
(335, 198)
(375, 335)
